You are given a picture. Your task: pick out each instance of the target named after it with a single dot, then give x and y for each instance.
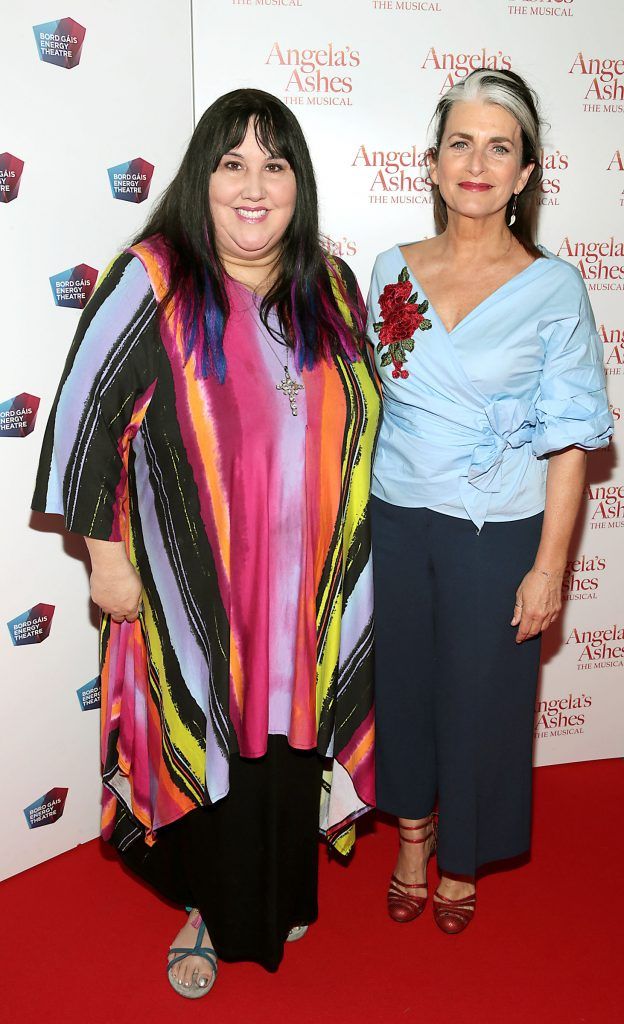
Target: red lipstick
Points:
(475, 186)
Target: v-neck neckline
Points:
(422, 293)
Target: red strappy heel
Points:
(407, 906)
(452, 916)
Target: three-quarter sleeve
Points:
(109, 378)
(572, 406)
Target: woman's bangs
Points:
(269, 136)
(272, 137)
(233, 136)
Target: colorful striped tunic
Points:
(249, 528)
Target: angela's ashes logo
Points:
(321, 76)
(607, 505)
(598, 648)
(616, 163)
(561, 716)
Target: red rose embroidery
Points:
(393, 297)
(402, 316)
(401, 324)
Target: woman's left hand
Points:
(538, 603)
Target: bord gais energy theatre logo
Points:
(322, 76)
(32, 626)
(60, 42)
(603, 82)
(131, 181)
(394, 175)
(11, 168)
(72, 288)
(453, 65)
(47, 809)
(18, 415)
(90, 694)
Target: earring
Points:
(512, 219)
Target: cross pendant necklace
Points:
(289, 387)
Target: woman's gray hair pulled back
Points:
(509, 91)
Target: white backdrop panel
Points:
(363, 77)
(130, 96)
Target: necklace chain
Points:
(287, 386)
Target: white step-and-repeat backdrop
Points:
(92, 129)
(103, 107)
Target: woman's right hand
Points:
(117, 590)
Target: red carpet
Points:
(83, 942)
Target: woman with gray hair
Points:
(494, 391)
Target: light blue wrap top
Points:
(470, 413)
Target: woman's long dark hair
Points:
(508, 90)
(302, 294)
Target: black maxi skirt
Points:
(249, 863)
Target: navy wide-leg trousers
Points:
(455, 694)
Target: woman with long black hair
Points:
(212, 440)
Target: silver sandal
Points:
(199, 986)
